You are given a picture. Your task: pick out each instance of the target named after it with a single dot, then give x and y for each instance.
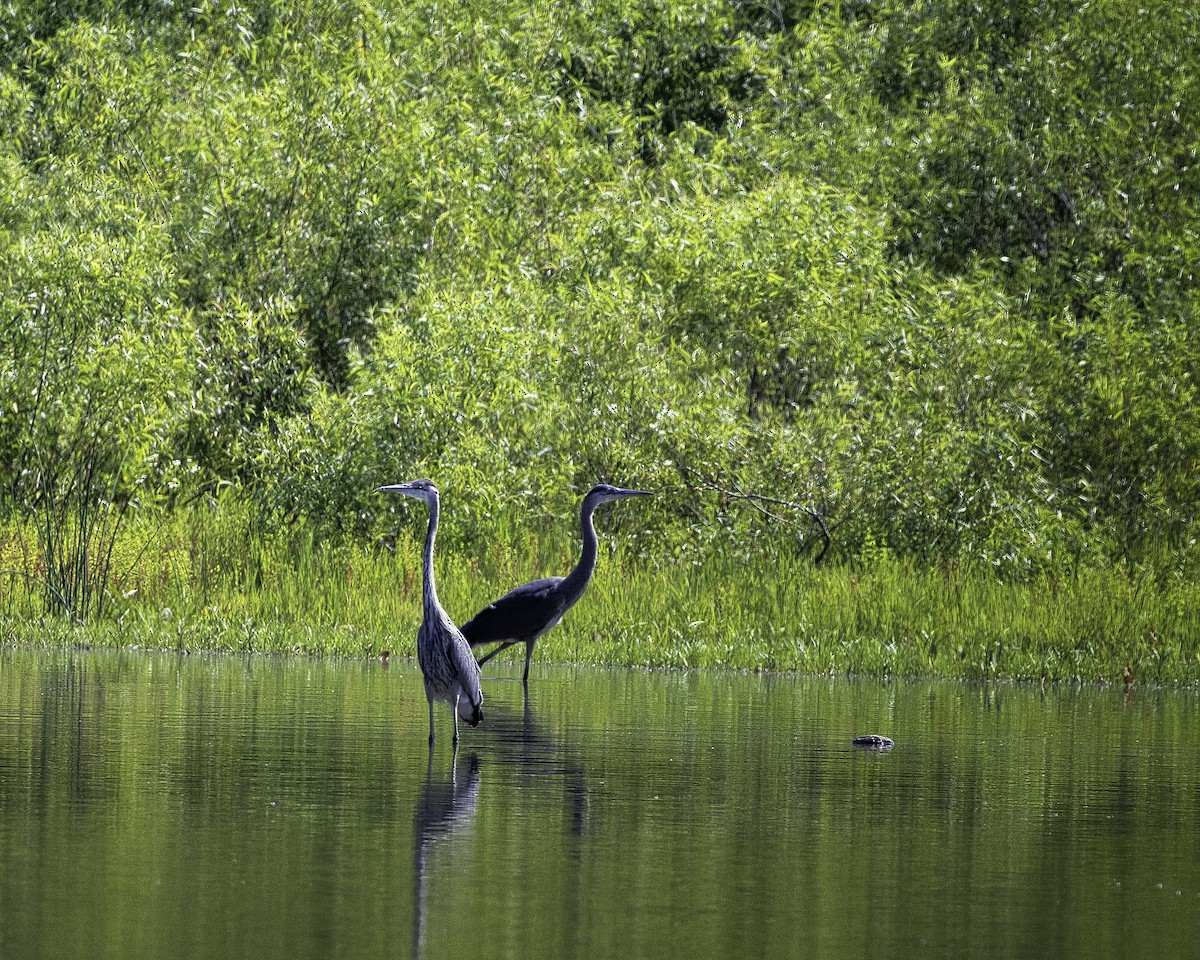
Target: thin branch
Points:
(757, 501)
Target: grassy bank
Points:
(208, 582)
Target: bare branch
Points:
(758, 501)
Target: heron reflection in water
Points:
(529, 767)
(542, 763)
(526, 612)
(444, 810)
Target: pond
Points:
(154, 805)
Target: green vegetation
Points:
(217, 582)
(893, 303)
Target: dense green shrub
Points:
(866, 280)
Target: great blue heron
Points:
(447, 663)
(526, 612)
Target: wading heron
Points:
(447, 663)
(526, 612)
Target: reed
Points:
(221, 582)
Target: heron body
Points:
(447, 664)
(526, 612)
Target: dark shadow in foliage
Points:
(665, 71)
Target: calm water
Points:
(162, 806)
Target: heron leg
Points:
(430, 723)
(504, 646)
(528, 656)
(457, 697)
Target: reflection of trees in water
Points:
(69, 749)
(445, 808)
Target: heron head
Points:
(604, 492)
(421, 489)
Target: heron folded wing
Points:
(520, 614)
(466, 670)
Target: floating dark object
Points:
(873, 741)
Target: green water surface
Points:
(214, 807)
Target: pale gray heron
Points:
(447, 664)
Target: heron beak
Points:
(637, 493)
(396, 488)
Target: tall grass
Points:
(219, 581)
(890, 619)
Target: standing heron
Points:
(447, 664)
(526, 612)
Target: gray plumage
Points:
(526, 612)
(449, 668)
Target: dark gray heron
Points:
(526, 612)
(447, 663)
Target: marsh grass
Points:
(220, 582)
(891, 619)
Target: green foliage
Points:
(251, 373)
(666, 65)
(871, 282)
(89, 369)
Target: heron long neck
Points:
(577, 580)
(430, 595)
